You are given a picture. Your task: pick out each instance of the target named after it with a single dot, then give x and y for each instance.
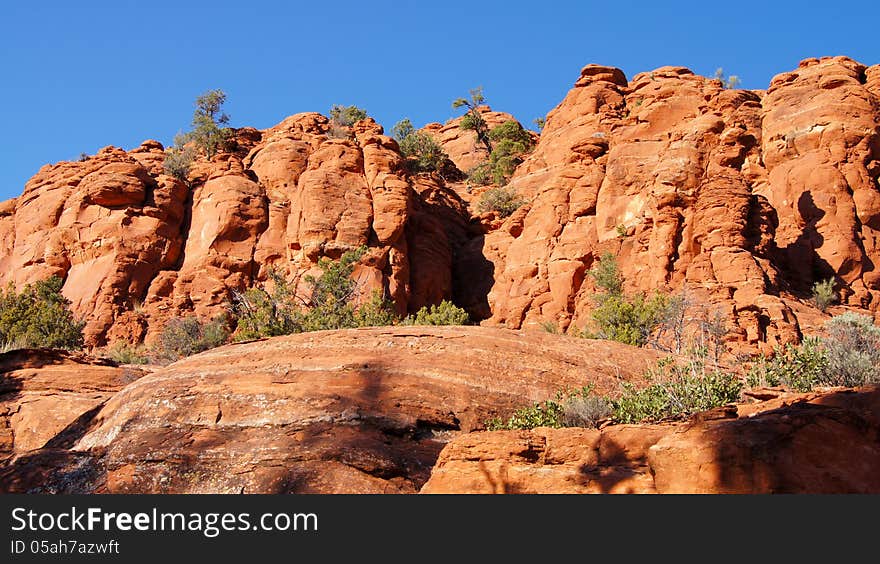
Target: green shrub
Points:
(446, 313)
(501, 199)
(511, 143)
(479, 175)
(331, 304)
(727, 82)
(607, 276)
(208, 135)
(797, 368)
(126, 353)
(540, 122)
(422, 153)
(472, 119)
(346, 116)
(629, 319)
(677, 390)
(848, 356)
(39, 317)
(853, 351)
(549, 413)
(823, 294)
(179, 159)
(186, 336)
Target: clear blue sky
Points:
(77, 76)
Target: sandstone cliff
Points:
(745, 198)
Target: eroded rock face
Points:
(745, 197)
(798, 443)
(355, 411)
(137, 247)
(44, 394)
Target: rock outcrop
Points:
(45, 395)
(798, 443)
(745, 197)
(354, 411)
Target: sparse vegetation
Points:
(126, 353)
(511, 143)
(848, 356)
(179, 159)
(731, 81)
(209, 135)
(823, 294)
(423, 154)
(540, 122)
(618, 317)
(853, 350)
(501, 199)
(472, 120)
(186, 336)
(479, 175)
(797, 368)
(346, 116)
(38, 316)
(331, 304)
(549, 413)
(676, 390)
(445, 313)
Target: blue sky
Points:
(77, 76)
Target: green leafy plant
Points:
(540, 122)
(444, 313)
(676, 390)
(472, 119)
(606, 274)
(330, 304)
(479, 175)
(510, 143)
(549, 413)
(39, 316)
(796, 367)
(422, 153)
(208, 135)
(823, 294)
(346, 116)
(501, 199)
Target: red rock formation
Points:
(745, 197)
(356, 411)
(136, 246)
(45, 393)
(807, 443)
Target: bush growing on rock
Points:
(823, 294)
(422, 153)
(38, 317)
(472, 120)
(346, 116)
(503, 200)
(853, 350)
(445, 313)
(848, 356)
(208, 135)
(511, 143)
(618, 317)
(331, 304)
(186, 336)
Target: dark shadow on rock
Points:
(473, 276)
(800, 263)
